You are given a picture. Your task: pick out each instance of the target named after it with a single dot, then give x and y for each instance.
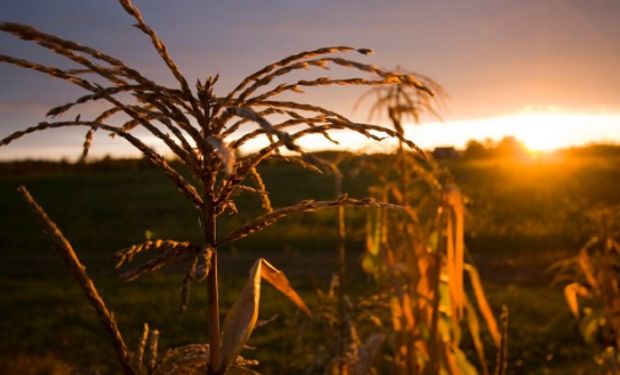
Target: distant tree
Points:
(475, 150)
(510, 147)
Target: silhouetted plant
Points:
(402, 103)
(206, 131)
(418, 255)
(592, 288)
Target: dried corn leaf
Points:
(262, 190)
(127, 255)
(373, 232)
(456, 250)
(483, 304)
(396, 314)
(571, 293)
(64, 247)
(138, 357)
(464, 366)
(153, 349)
(249, 114)
(586, 267)
(204, 263)
(263, 221)
(188, 279)
(151, 265)
(241, 319)
(88, 141)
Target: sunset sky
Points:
(546, 71)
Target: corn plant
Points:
(418, 255)
(403, 103)
(205, 132)
(592, 288)
(418, 258)
(342, 313)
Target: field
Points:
(523, 214)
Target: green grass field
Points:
(523, 215)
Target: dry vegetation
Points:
(426, 298)
(205, 131)
(418, 255)
(592, 287)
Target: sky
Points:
(546, 71)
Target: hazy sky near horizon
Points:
(494, 58)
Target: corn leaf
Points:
(586, 267)
(483, 304)
(455, 230)
(571, 292)
(241, 319)
(465, 367)
(591, 324)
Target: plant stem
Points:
(433, 365)
(502, 355)
(342, 258)
(209, 219)
(404, 180)
(342, 252)
(214, 318)
(342, 232)
(106, 317)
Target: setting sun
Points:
(550, 131)
(539, 131)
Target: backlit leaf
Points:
(483, 304)
(571, 292)
(241, 319)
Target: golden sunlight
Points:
(547, 131)
(539, 131)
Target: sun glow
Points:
(548, 131)
(539, 131)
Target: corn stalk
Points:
(418, 254)
(206, 132)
